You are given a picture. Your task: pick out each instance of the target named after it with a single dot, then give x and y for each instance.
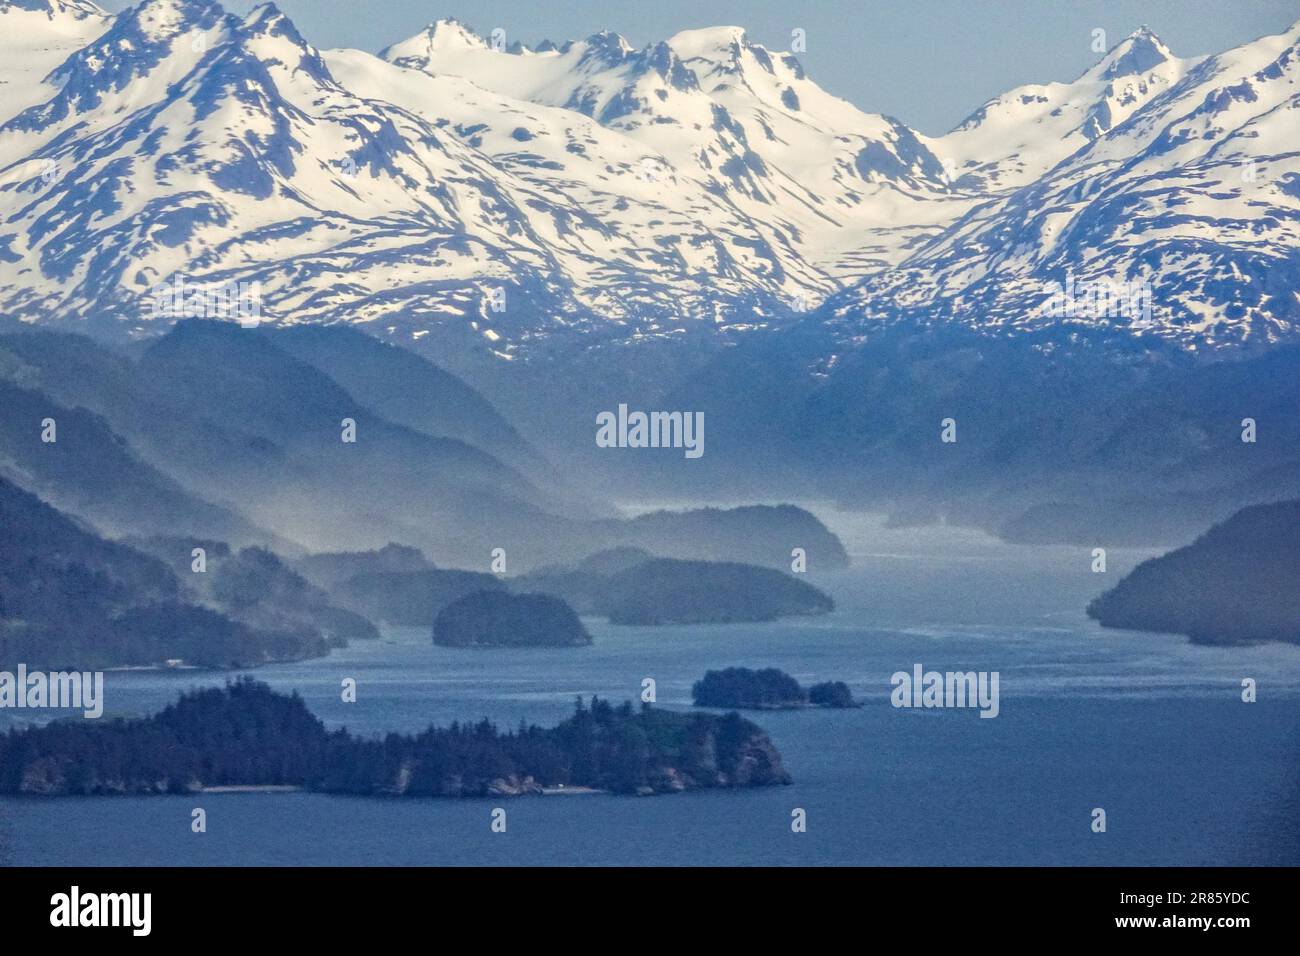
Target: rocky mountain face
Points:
(1176, 222)
(500, 201)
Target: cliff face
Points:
(755, 763)
(1238, 583)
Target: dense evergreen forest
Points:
(248, 734)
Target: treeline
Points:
(247, 734)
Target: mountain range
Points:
(701, 185)
(478, 247)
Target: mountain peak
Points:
(440, 37)
(158, 20)
(1136, 54)
(718, 45)
(274, 37)
(264, 15)
(718, 37)
(137, 40)
(78, 9)
(723, 53)
(608, 47)
(267, 18)
(450, 34)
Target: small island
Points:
(766, 689)
(831, 693)
(502, 619)
(247, 737)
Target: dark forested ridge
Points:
(499, 618)
(246, 734)
(406, 388)
(668, 591)
(631, 586)
(69, 598)
(1239, 583)
(257, 587)
(397, 585)
(757, 534)
(91, 471)
(211, 435)
(330, 569)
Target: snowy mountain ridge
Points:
(503, 199)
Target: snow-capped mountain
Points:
(507, 201)
(1181, 221)
(710, 110)
(1013, 139)
(35, 37)
(670, 248)
(185, 141)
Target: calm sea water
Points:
(1146, 726)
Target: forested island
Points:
(1239, 583)
(502, 619)
(246, 734)
(633, 587)
(766, 689)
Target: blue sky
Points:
(927, 62)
